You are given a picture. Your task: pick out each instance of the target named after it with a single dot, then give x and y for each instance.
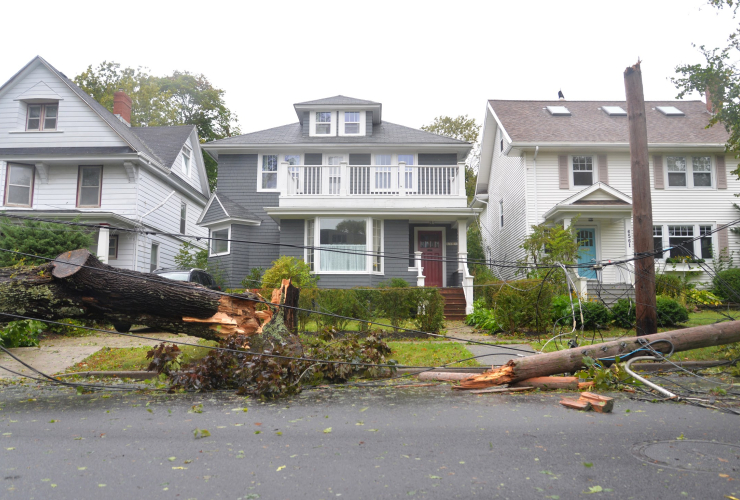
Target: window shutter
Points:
(603, 169)
(658, 172)
(721, 172)
(723, 241)
(563, 171)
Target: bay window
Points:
(19, 185)
(346, 245)
(89, 185)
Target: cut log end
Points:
(499, 376)
(68, 263)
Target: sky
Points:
(419, 59)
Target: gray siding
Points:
(292, 233)
(359, 159)
(237, 179)
(437, 159)
(396, 236)
(306, 124)
(368, 123)
(312, 159)
(215, 212)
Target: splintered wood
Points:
(589, 401)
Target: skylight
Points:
(558, 111)
(614, 110)
(670, 111)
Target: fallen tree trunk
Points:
(65, 289)
(570, 360)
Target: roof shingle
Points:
(529, 121)
(337, 100)
(165, 142)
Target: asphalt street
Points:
(358, 443)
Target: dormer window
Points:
(42, 117)
(323, 123)
(351, 122)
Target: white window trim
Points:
(690, 172)
(156, 264)
(260, 189)
(368, 247)
(187, 153)
(80, 168)
(594, 171)
(6, 192)
(697, 243)
(312, 123)
(213, 229)
(343, 133)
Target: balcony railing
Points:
(375, 180)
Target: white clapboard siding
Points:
(125, 259)
(78, 125)
(194, 178)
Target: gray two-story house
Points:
(360, 199)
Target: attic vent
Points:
(558, 111)
(614, 110)
(670, 111)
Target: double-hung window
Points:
(583, 170)
(89, 185)
(377, 246)
(19, 185)
(658, 240)
(706, 241)
(408, 178)
(351, 122)
(689, 171)
(42, 117)
(310, 228)
(186, 160)
(220, 241)
(268, 173)
(680, 239)
(323, 123)
(113, 246)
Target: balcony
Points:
(400, 185)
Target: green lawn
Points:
(695, 319)
(406, 353)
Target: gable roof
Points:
(530, 122)
(165, 142)
(337, 100)
(225, 209)
(383, 133)
(598, 197)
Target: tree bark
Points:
(65, 289)
(570, 360)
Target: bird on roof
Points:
(560, 95)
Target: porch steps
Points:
(610, 293)
(454, 303)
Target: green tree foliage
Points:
(289, 268)
(548, 245)
(182, 98)
(44, 239)
(718, 74)
(191, 257)
(464, 129)
(476, 255)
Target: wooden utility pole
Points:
(642, 205)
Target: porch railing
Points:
(375, 180)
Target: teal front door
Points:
(587, 252)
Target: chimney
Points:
(122, 106)
(708, 98)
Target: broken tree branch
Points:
(571, 360)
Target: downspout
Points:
(534, 191)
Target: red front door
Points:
(430, 246)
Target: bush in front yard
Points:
(394, 302)
(725, 282)
(44, 239)
(670, 312)
(430, 309)
(289, 268)
(669, 285)
(524, 305)
(595, 313)
(623, 314)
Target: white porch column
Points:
(419, 276)
(402, 178)
(282, 179)
(343, 178)
(466, 279)
(566, 223)
(461, 179)
(103, 242)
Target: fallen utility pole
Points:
(642, 206)
(570, 360)
(76, 285)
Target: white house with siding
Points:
(568, 162)
(65, 156)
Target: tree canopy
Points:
(182, 98)
(464, 129)
(718, 78)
